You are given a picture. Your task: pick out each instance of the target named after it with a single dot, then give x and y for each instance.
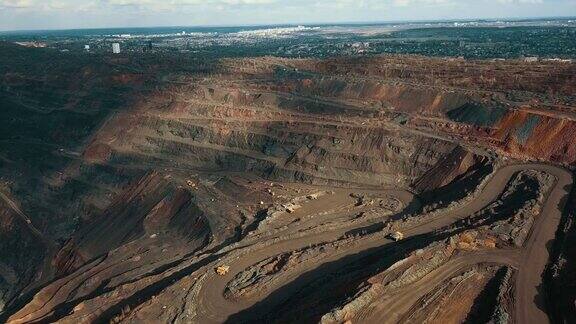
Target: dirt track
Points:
(530, 262)
(535, 255)
(395, 306)
(329, 219)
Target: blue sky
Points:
(65, 14)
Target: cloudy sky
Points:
(65, 14)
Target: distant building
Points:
(87, 48)
(531, 59)
(31, 44)
(116, 48)
(558, 60)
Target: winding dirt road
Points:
(393, 307)
(535, 255)
(529, 261)
(332, 218)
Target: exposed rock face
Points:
(147, 208)
(545, 137)
(561, 291)
(17, 268)
(457, 164)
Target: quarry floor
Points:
(529, 261)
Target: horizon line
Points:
(13, 31)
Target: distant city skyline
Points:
(77, 14)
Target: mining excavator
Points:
(396, 236)
(222, 270)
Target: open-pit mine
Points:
(376, 189)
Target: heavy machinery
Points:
(396, 236)
(222, 270)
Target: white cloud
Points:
(16, 3)
(105, 13)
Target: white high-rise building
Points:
(116, 48)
